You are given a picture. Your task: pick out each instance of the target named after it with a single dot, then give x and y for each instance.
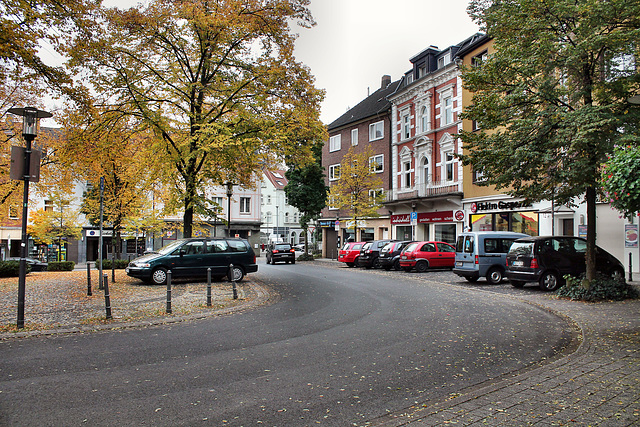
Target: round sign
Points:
(474, 207)
(459, 215)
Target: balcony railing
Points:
(431, 189)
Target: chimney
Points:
(386, 81)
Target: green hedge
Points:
(120, 264)
(61, 266)
(11, 268)
(603, 288)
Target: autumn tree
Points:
(358, 191)
(554, 97)
(306, 189)
(215, 80)
(55, 225)
(110, 146)
(621, 179)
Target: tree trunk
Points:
(591, 234)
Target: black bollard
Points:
(169, 311)
(89, 293)
(208, 287)
(630, 267)
(107, 297)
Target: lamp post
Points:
(30, 118)
(229, 194)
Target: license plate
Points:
(518, 263)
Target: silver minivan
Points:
(483, 254)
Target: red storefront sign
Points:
(423, 218)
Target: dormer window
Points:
(444, 60)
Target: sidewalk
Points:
(597, 385)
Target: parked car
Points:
(390, 255)
(281, 252)
(34, 264)
(424, 255)
(350, 252)
(483, 254)
(370, 253)
(193, 257)
(547, 259)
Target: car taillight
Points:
(477, 259)
(275, 251)
(534, 263)
(292, 250)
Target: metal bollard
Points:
(113, 270)
(208, 287)
(89, 293)
(169, 311)
(233, 281)
(107, 297)
(630, 267)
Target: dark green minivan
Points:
(192, 258)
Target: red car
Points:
(350, 252)
(424, 255)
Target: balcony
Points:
(430, 190)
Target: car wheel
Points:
(396, 265)
(422, 266)
(549, 281)
(376, 263)
(237, 273)
(159, 276)
(472, 279)
(517, 283)
(618, 275)
(494, 275)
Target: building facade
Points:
(280, 220)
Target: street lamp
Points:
(229, 194)
(30, 118)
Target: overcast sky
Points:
(356, 42)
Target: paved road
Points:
(341, 347)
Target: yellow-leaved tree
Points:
(217, 83)
(358, 191)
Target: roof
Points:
(277, 178)
(471, 43)
(373, 105)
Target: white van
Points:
(483, 254)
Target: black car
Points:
(32, 263)
(547, 259)
(281, 252)
(370, 252)
(390, 255)
(193, 258)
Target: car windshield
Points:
(411, 247)
(167, 249)
(521, 248)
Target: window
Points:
(334, 172)
(448, 165)
(245, 205)
(354, 136)
(335, 143)
(424, 119)
(406, 172)
(376, 164)
(268, 199)
(422, 71)
(374, 194)
(477, 60)
(48, 205)
(269, 217)
(444, 60)
(13, 212)
(286, 217)
(406, 126)
(376, 131)
(446, 116)
(478, 176)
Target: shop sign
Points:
(631, 235)
(431, 217)
(497, 206)
(326, 223)
(96, 233)
(400, 219)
